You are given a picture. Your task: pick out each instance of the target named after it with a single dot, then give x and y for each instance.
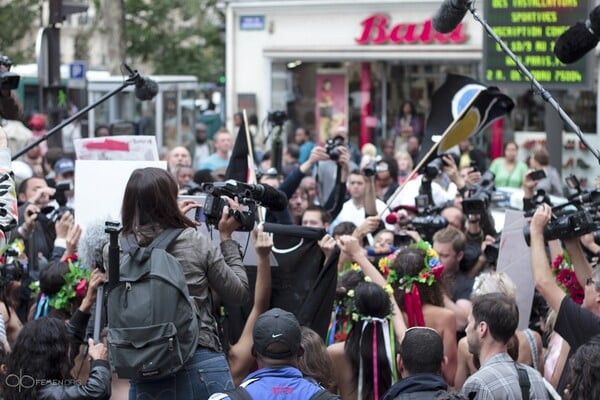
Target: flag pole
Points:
(251, 164)
(429, 153)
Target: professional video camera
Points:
(248, 195)
(331, 147)
(575, 218)
(481, 196)
(428, 221)
(277, 117)
(8, 80)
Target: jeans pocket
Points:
(215, 375)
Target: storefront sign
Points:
(530, 29)
(377, 29)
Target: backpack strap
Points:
(140, 254)
(239, 393)
(523, 381)
(323, 394)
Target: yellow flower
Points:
(355, 267)
(431, 253)
(368, 279)
(388, 289)
(355, 316)
(351, 293)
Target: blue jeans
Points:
(207, 372)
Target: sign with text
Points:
(530, 28)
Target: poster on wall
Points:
(331, 102)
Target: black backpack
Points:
(152, 321)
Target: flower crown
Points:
(75, 286)
(431, 272)
(12, 251)
(562, 268)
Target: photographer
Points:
(332, 172)
(575, 324)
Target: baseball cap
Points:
(277, 334)
(64, 165)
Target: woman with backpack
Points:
(149, 208)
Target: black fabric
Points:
(576, 325)
(237, 168)
(417, 386)
(301, 284)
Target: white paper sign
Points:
(130, 148)
(514, 259)
(99, 188)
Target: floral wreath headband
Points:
(75, 286)
(431, 272)
(563, 271)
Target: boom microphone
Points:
(91, 245)
(449, 15)
(145, 88)
(579, 39)
(268, 197)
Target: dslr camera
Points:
(436, 166)
(8, 80)
(331, 147)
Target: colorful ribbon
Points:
(388, 332)
(414, 309)
(42, 306)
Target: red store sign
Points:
(377, 30)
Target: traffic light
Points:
(59, 10)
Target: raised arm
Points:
(544, 280)
(240, 354)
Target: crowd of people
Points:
(420, 309)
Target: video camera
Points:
(8, 80)
(575, 218)
(277, 117)
(481, 196)
(248, 195)
(428, 221)
(331, 147)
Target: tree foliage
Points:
(14, 29)
(176, 36)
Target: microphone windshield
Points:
(574, 43)
(449, 15)
(91, 245)
(271, 198)
(145, 88)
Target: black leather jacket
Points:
(98, 386)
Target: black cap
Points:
(277, 334)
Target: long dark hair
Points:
(41, 352)
(410, 262)
(584, 371)
(370, 300)
(151, 197)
